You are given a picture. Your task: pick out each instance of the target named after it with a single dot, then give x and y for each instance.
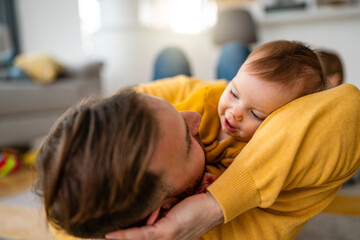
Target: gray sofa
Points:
(28, 110)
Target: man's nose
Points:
(193, 120)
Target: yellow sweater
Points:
(177, 89)
(291, 169)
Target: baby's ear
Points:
(335, 79)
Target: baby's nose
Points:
(237, 114)
(237, 117)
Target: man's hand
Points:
(189, 219)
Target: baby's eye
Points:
(256, 116)
(233, 94)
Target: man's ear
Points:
(161, 210)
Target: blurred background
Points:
(128, 34)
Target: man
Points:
(100, 162)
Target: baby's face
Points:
(247, 101)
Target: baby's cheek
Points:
(220, 111)
(253, 130)
(221, 108)
(223, 100)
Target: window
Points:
(179, 16)
(90, 22)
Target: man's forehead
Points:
(152, 98)
(157, 102)
(172, 142)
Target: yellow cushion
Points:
(40, 67)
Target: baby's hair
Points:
(291, 63)
(332, 63)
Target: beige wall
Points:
(50, 26)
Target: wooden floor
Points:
(17, 182)
(21, 220)
(18, 222)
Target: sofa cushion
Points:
(27, 109)
(22, 97)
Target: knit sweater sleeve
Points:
(176, 89)
(312, 143)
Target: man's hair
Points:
(331, 63)
(92, 166)
(291, 63)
